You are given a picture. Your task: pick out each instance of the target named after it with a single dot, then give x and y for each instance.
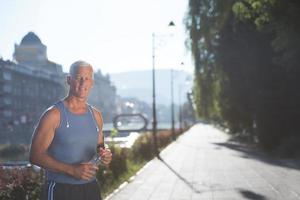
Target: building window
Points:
(7, 75)
(7, 88)
(7, 101)
(7, 113)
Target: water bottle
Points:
(96, 159)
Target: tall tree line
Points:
(247, 74)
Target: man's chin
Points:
(81, 97)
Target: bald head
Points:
(80, 63)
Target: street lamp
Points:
(172, 105)
(180, 106)
(154, 121)
(181, 89)
(180, 109)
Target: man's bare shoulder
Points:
(97, 112)
(52, 111)
(52, 114)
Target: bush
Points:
(13, 150)
(25, 183)
(16, 184)
(118, 165)
(142, 149)
(290, 147)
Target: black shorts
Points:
(63, 191)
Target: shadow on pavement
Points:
(252, 195)
(190, 185)
(252, 153)
(245, 193)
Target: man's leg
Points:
(92, 191)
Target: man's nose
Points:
(82, 81)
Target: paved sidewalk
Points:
(202, 165)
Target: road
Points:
(202, 164)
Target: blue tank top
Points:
(74, 142)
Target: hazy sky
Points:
(113, 35)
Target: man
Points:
(66, 139)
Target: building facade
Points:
(31, 83)
(28, 85)
(103, 96)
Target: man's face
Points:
(81, 82)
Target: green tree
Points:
(204, 19)
(246, 55)
(278, 18)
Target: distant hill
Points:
(139, 84)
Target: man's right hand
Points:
(85, 171)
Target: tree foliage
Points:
(246, 55)
(204, 22)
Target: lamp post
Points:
(180, 106)
(172, 105)
(180, 109)
(154, 120)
